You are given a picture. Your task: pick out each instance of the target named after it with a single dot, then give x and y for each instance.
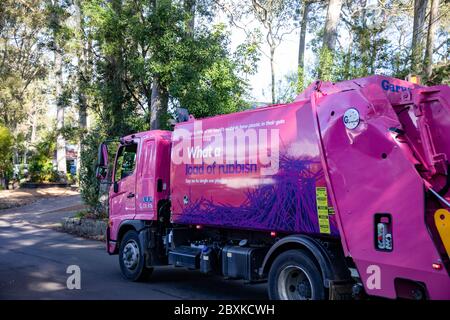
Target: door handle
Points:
(130, 195)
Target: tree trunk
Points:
(303, 26)
(159, 96)
(82, 123)
(331, 23)
(83, 68)
(60, 141)
(33, 127)
(329, 39)
(159, 103)
(301, 47)
(420, 8)
(348, 58)
(30, 144)
(432, 26)
(272, 73)
(115, 101)
(58, 82)
(189, 8)
(373, 55)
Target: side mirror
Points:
(101, 169)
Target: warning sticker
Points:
(323, 210)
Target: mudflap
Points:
(341, 289)
(153, 247)
(144, 239)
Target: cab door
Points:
(123, 193)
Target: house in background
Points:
(71, 159)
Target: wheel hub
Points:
(304, 288)
(294, 284)
(130, 255)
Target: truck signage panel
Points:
(256, 169)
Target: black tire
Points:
(294, 276)
(131, 258)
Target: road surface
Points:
(34, 259)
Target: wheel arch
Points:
(127, 225)
(329, 261)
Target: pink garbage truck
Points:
(342, 193)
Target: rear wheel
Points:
(132, 259)
(294, 276)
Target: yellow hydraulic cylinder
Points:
(442, 221)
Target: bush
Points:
(89, 185)
(71, 179)
(41, 170)
(41, 161)
(6, 164)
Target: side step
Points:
(185, 256)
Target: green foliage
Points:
(325, 68)
(21, 63)
(440, 74)
(247, 55)
(6, 143)
(136, 42)
(140, 41)
(71, 179)
(71, 133)
(300, 80)
(286, 89)
(89, 185)
(368, 53)
(204, 80)
(291, 85)
(41, 161)
(375, 39)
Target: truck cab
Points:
(140, 182)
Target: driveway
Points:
(24, 196)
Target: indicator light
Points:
(198, 226)
(437, 266)
(273, 234)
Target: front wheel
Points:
(294, 276)
(132, 259)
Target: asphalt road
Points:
(34, 259)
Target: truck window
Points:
(126, 161)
